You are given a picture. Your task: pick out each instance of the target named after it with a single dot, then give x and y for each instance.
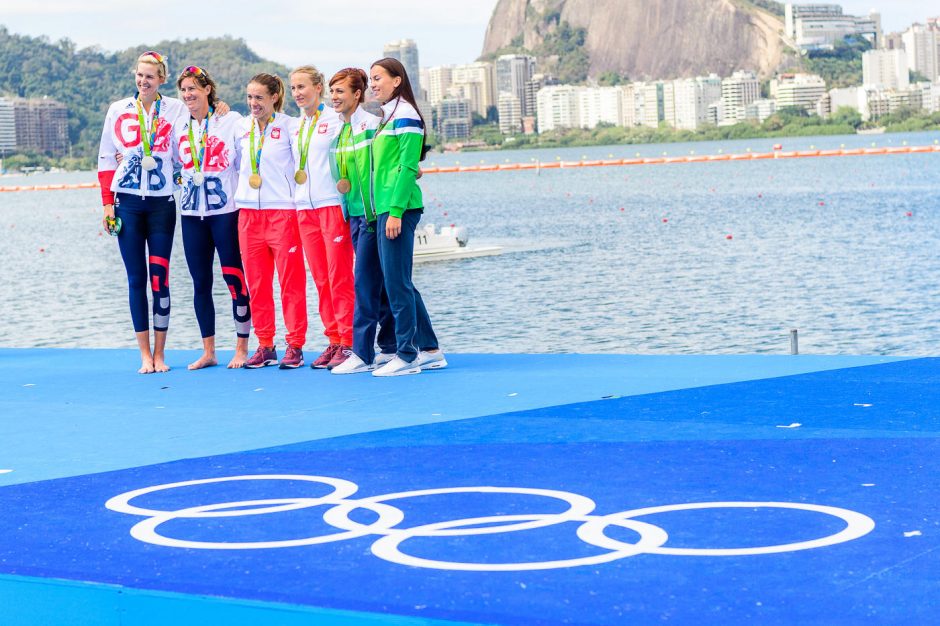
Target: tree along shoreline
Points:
(781, 125)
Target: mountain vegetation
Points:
(87, 80)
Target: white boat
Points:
(871, 131)
(450, 242)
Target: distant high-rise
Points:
(453, 118)
(513, 71)
(406, 51)
(42, 125)
(7, 127)
(820, 26)
(738, 91)
(885, 69)
(922, 45)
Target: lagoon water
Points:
(633, 259)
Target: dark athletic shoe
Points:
(339, 357)
(293, 358)
(323, 361)
(262, 358)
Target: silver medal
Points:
(198, 178)
(149, 163)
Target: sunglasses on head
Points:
(159, 57)
(194, 70)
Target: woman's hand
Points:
(221, 108)
(108, 214)
(392, 227)
(118, 156)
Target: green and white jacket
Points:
(352, 159)
(396, 151)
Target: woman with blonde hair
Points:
(135, 170)
(267, 222)
(324, 230)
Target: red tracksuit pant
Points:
(270, 239)
(329, 251)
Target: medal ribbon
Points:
(305, 147)
(256, 155)
(199, 155)
(148, 137)
(344, 145)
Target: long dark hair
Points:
(405, 92)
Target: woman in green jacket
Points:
(397, 148)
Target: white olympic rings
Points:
(591, 527)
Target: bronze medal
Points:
(343, 186)
(300, 176)
(255, 181)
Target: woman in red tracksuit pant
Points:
(267, 223)
(324, 230)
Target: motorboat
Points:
(448, 242)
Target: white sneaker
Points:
(431, 360)
(383, 357)
(352, 365)
(398, 367)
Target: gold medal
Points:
(255, 181)
(300, 176)
(148, 163)
(343, 186)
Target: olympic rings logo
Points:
(591, 530)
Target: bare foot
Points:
(160, 366)
(206, 360)
(146, 367)
(238, 361)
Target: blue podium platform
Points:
(505, 489)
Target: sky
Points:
(331, 35)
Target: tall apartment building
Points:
(453, 119)
(478, 83)
(798, 90)
(439, 80)
(513, 72)
(692, 97)
(885, 69)
(816, 26)
(406, 51)
(510, 113)
(737, 91)
(42, 125)
(922, 45)
(7, 127)
(558, 107)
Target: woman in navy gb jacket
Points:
(137, 194)
(207, 149)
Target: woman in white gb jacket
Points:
(137, 195)
(267, 222)
(207, 149)
(324, 230)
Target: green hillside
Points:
(88, 80)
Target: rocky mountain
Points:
(643, 38)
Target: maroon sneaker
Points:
(323, 361)
(342, 353)
(262, 357)
(293, 358)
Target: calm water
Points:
(615, 259)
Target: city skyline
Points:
(454, 36)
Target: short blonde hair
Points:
(316, 77)
(154, 58)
